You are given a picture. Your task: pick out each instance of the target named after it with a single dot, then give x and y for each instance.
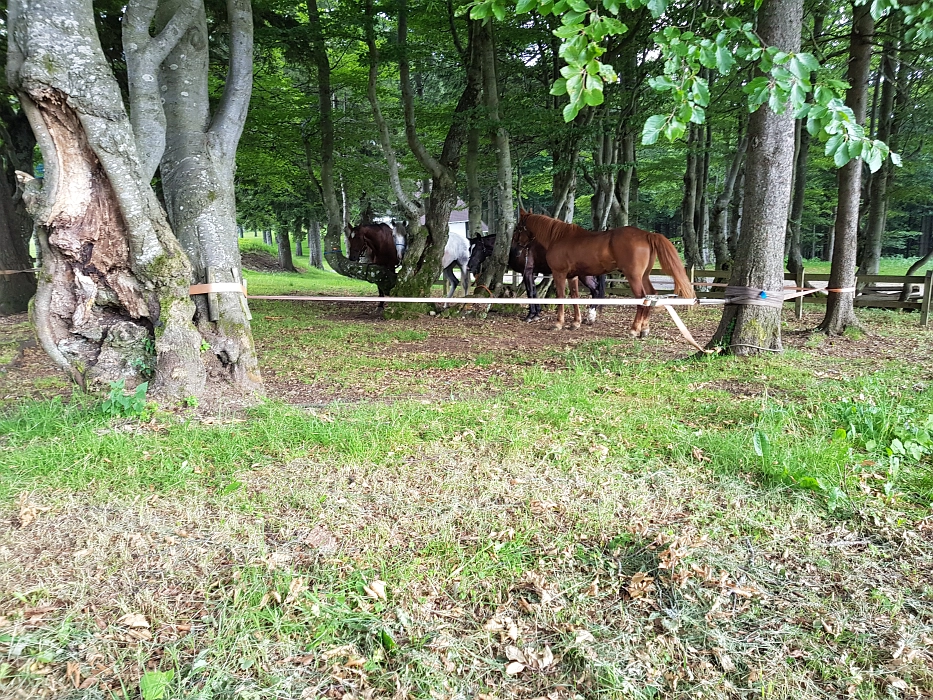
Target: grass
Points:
(618, 524)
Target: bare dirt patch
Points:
(487, 354)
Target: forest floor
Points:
(465, 507)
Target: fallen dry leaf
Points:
(134, 620)
(514, 668)
(376, 589)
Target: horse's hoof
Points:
(532, 319)
(591, 317)
(574, 326)
(557, 327)
(644, 333)
(632, 332)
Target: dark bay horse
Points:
(377, 241)
(481, 248)
(571, 250)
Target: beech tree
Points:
(113, 300)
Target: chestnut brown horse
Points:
(376, 240)
(572, 251)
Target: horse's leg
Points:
(560, 281)
(646, 317)
(592, 283)
(575, 293)
(465, 277)
(638, 291)
(451, 280)
(534, 311)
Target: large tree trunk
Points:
(16, 146)
(750, 324)
(493, 270)
(315, 259)
(197, 177)
(840, 311)
(285, 246)
(114, 281)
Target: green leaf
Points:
(523, 6)
(153, 684)
(841, 156)
(761, 445)
(572, 17)
(570, 111)
(499, 11)
(875, 159)
(593, 97)
(657, 7)
(652, 129)
(480, 11)
(700, 91)
(674, 129)
(708, 57)
(559, 87)
(809, 61)
(580, 6)
(612, 6)
(833, 144)
(896, 159)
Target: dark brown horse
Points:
(376, 241)
(530, 263)
(572, 251)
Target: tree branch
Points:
(412, 208)
(143, 57)
(428, 162)
(231, 114)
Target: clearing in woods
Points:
(477, 508)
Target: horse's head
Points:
(479, 251)
(399, 237)
(356, 245)
(522, 237)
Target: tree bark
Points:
(751, 328)
(689, 203)
(16, 145)
(197, 170)
(112, 301)
(285, 247)
(878, 189)
(840, 310)
(474, 193)
(492, 272)
(719, 223)
(422, 263)
(794, 253)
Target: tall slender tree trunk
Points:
(492, 272)
(750, 324)
(474, 193)
(315, 258)
(689, 203)
(840, 310)
(114, 281)
(719, 223)
(794, 252)
(878, 190)
(383, 277)
(626, 176)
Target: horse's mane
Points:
(544, 227)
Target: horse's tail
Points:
(669, 259)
